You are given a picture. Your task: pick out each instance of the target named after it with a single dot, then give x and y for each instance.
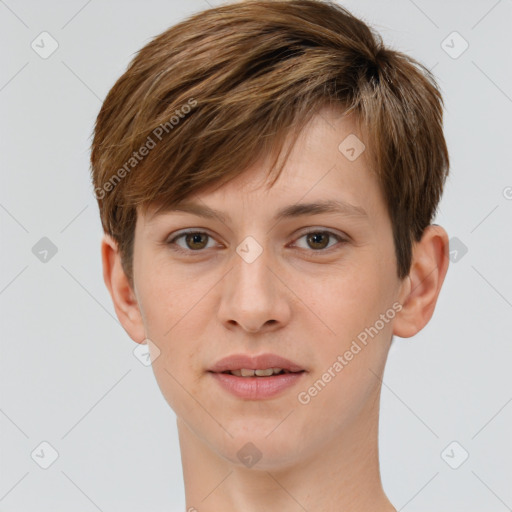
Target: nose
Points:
(254, 296)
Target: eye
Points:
(194, 240)
(318, 239)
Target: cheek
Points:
(171, 308)
(348, 311)
(167, 297)
(342, 302)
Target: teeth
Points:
(264, 373)
(251, 373)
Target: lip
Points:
(256, 388)
(262, 361)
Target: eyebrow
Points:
(295, 210)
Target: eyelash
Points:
(187, 252)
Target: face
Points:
(319, 289)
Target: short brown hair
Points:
(238, 79)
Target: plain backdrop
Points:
(68, 373)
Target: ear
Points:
(421, 288)
(123, 297)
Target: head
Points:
(252, 109)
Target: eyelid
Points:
(321, 229)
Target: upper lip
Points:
(259, 362)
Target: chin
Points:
(258, 450)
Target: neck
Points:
(340, 475)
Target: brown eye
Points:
(195, 241)
(319, 241)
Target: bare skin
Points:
(299, 299)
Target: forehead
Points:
(326, 172)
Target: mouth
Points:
(263, 365)
(268, 372)
(256, 377)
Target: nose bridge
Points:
(250, 295)
(251, 276)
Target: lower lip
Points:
(257, 388)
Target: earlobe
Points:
(428, 270)
(123, 297)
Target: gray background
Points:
(68, 373)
